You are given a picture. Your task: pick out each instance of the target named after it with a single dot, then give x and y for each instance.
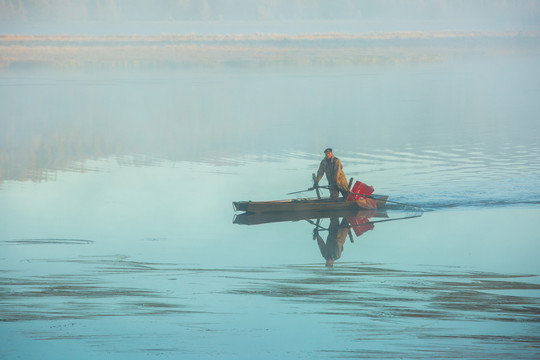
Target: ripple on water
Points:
(48, 242)
(403, 311)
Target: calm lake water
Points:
(116, 226)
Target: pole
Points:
(316, 186)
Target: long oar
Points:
(369, 222)
(310, 189)
(380, 221)
(316, 185)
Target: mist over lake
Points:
(127, 132)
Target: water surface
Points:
(116, 233)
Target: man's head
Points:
(329, 263)
(328, 153)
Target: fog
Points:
(100, 17)
(128, 127)
(97, 79)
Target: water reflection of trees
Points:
(37, 155)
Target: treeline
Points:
(176, 51)
(182, 55)
(248, 10)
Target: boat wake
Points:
(436, 205)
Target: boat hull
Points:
(308, 205)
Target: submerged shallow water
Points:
(137, 309)
(116, 232)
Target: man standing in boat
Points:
(337, 182)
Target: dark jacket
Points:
(334, 173)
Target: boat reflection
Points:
(257, 218)
(343, 224)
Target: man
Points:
(331, 166)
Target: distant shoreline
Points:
(259, 50)
(394, 35)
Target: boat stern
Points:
(240, 205)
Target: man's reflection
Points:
(337, 235)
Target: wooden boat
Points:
(308, 205)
